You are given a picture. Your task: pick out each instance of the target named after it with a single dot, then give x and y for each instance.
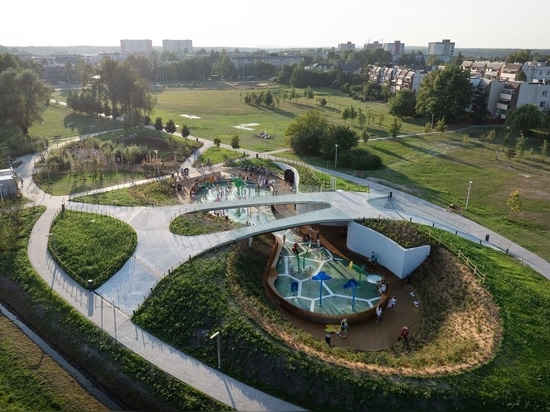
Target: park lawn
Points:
(220, 111)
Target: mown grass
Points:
(136, 384)
(222, 292)
(192, 224)
(90, 246)
(159, 192)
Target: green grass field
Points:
(436, 167)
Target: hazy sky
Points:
(277, 23)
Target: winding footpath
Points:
(110, 306)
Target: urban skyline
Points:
(284, 24)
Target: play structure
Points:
(315, 284)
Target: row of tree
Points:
(113, 89)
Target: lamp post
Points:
(468, 197)
(157, 161)
(336, 157)
(217, 335)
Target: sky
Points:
(277, 24)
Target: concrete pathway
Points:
(158, 251)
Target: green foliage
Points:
(305, 133)
(229, 281)
(395, 127)
(23, 98)
(523, 118)
(403, 104)
(402, 232)
(136, 383)
(360, 159)
(193, 224)
(342, 136)
(445, 93)
(90, 246)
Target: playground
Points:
(314, 279)
(236, 188)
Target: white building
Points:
(8, 184)
(396, 49)
(536, 72)
(136, 46)
(443, 50)
(346, 46)
(177, 46)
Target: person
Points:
(391, 303)
(378, 314)
(404, 333)
(284, 238)
(327, 338)
(383, 288)
(343, 328)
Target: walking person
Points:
(343, 328)
(391, 303)
(378, 314)
(404, 333)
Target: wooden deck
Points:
(368, 335)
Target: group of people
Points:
(382, 286)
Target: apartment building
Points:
(443, 50)
(177, 46)
(136, 46)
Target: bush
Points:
(360, 159)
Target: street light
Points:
(336, 157)
(217, 335)
(468, 197)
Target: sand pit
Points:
(247, 126)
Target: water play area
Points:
(224, 190)
(313, 279)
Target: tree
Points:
(268, 98)
(339, 135)
(395, 127)
(465, 139)
(427, 127)
(361, 118)
(170, 127)
(523, 118)
(514, 202)
(235, 142)
(520, 56)
(305, 133)
(158, 124)
(521, 76)
(440, 126)
(23, 98)
(544, 149)
(403, 104)
(445, 93)
(520, 145)
(491, 136)
(217, 142)
(185, 132)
